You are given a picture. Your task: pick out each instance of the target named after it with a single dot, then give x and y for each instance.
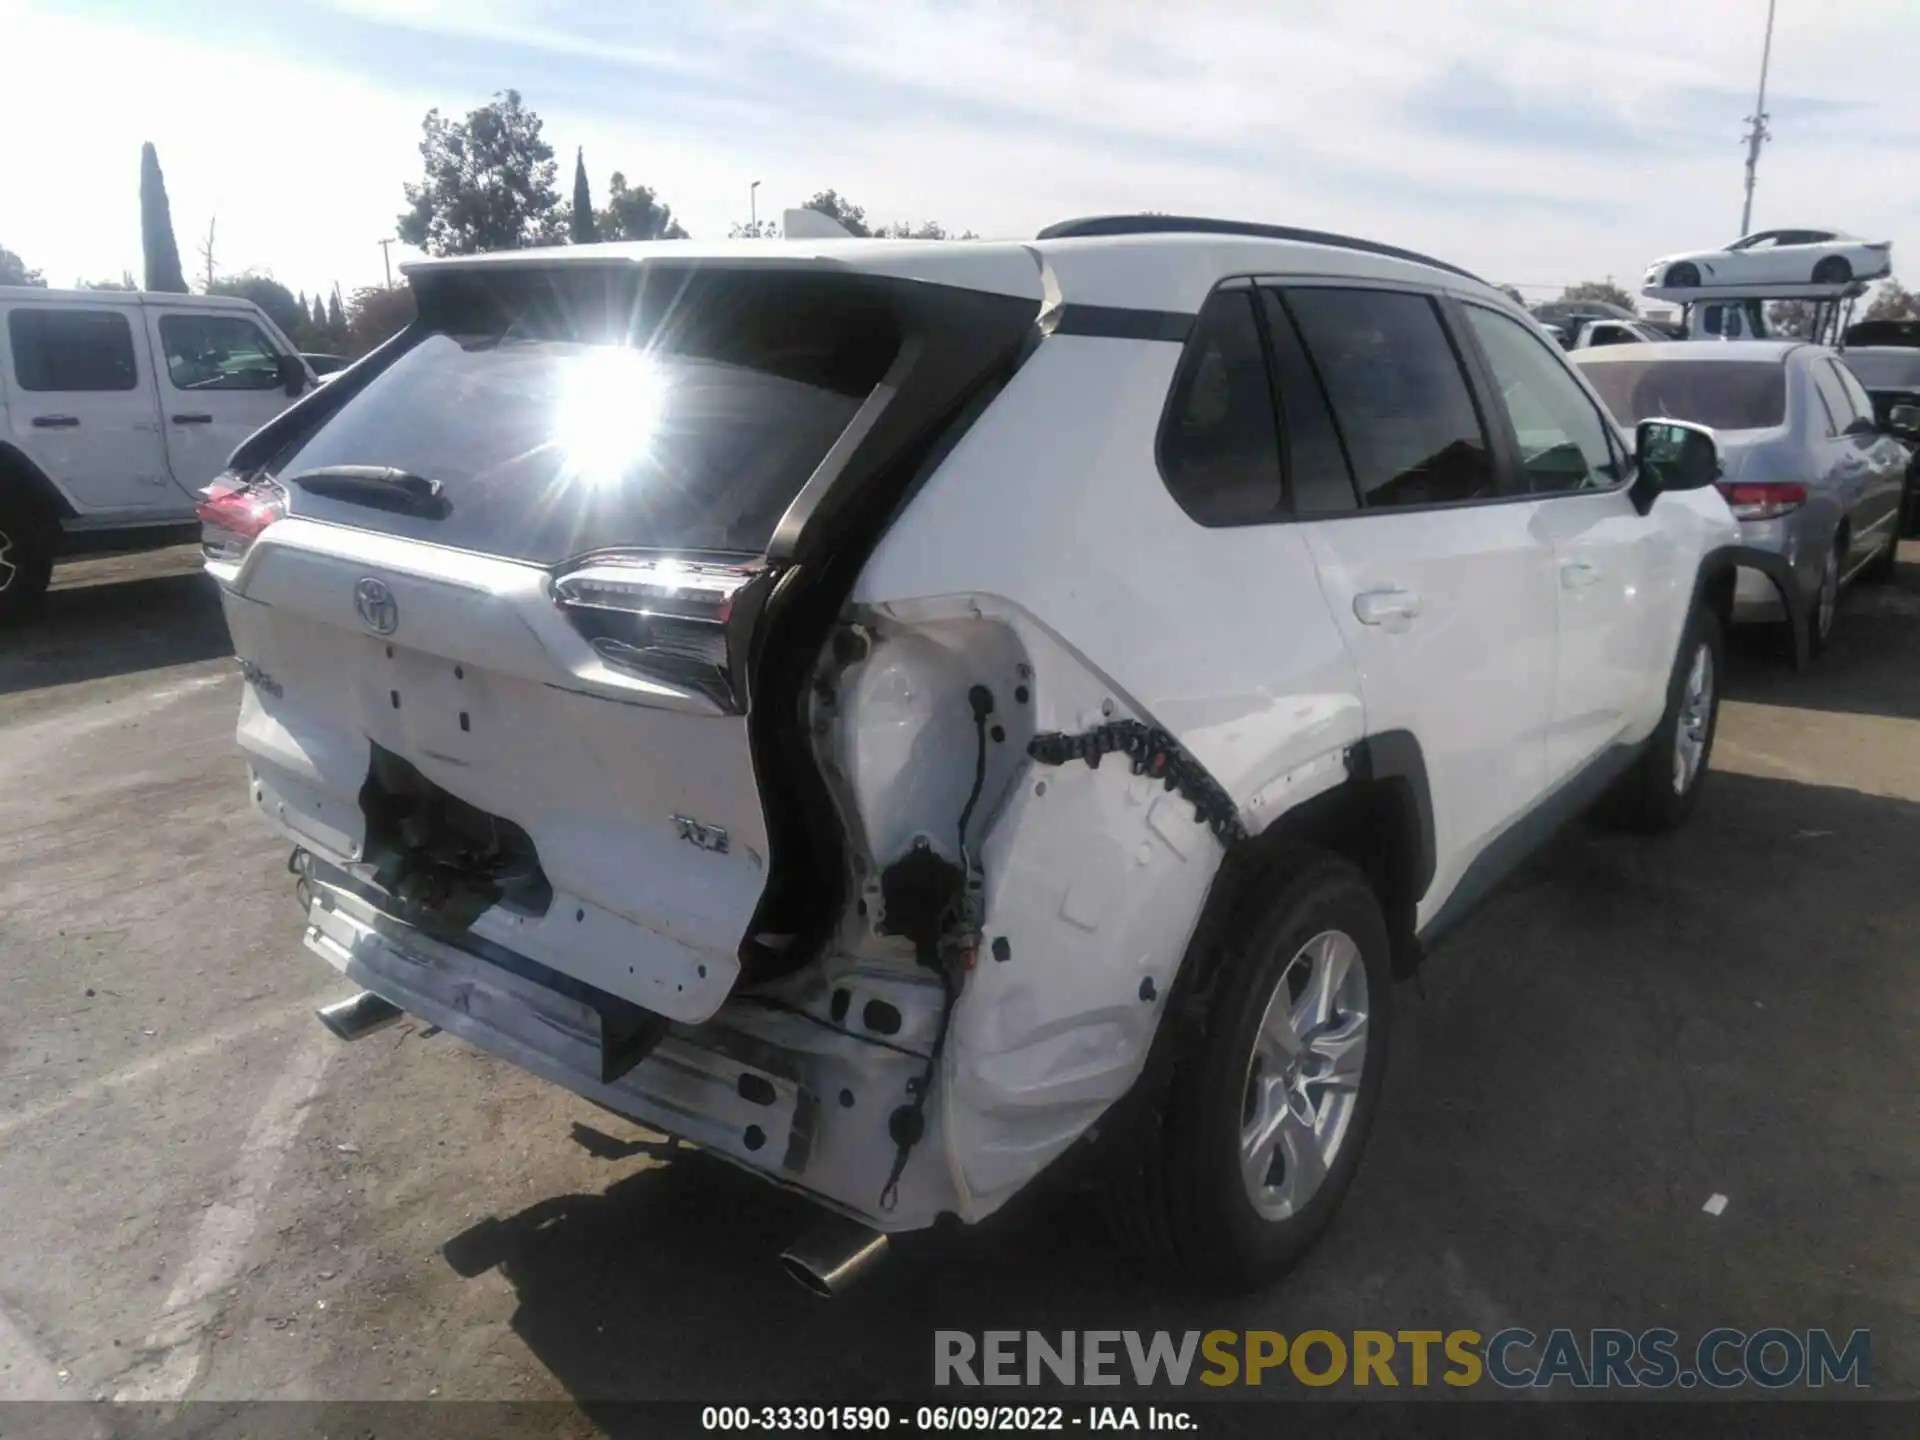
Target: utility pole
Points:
(753, 208)
(387, 259)
(1757, 135)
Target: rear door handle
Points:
(56, 422)
(1578, 575)
(193, 419)
(1390, 609)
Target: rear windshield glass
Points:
(1726, 394)
(1898, 370)
(564, 414)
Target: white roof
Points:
(18, 294)
(1168, 270)
(1699, 350)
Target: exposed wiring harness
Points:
(947, 951)
(1154, 753)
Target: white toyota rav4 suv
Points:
(886, 712)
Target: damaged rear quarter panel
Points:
(1050, 519)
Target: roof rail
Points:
(1206, 225)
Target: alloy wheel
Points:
(1696, 715)
(1303, 1077)
(9, 569)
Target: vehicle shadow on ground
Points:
(107, 626)
(1628, 1028)
(1871, 668)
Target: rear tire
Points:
(1823, 616)
(26, 556)
(1834, 270)
(1684, 276)
(1662, 789)
(1268, 1107)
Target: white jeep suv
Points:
(886, 711)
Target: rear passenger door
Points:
(1615, 569)
(1426, 544)
(1883, 462)
(82, 407)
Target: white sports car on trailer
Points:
(1785, 257)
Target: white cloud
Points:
(1532, 144)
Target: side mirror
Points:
(293, 374)
(1672, 455)
(1861, 427)
(1904, 420)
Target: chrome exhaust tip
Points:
(828, 1259)
(359, 1016)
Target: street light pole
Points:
(753, 208)
(1758, 135)
(387, 259)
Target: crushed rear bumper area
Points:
(747, 1085)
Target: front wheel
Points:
(1269, 1106)
(1684, 276)
(1663, 787)
(26, 558)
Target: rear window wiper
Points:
(379, 487)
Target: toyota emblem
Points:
(375, 604)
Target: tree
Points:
(1792, 318)
(925, 230)
(319, 315)
(842, 211)
(636, 213)
(1512, 292)
(272, 297)
(14, 271)
(125, 282)
(753, 230)
(156, 227)
(336, 321)
(489, 183)
(581, 220)
(1604, 290)
(1893, 301)
(375, 314)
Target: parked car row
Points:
(1812, 471)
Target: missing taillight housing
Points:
(1763, 500)
(660, 618)
(233, 512)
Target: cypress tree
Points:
(583, 230)
(156, 227)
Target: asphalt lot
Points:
(203, 1195)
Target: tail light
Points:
(233, 510)
(659, 618)
(1763, 500)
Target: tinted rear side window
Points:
(1399, 396)
(1726, 394)
(1317, 472)
(1219, 450)
(72, 350)
(564, 413)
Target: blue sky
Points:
(1534, 144)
